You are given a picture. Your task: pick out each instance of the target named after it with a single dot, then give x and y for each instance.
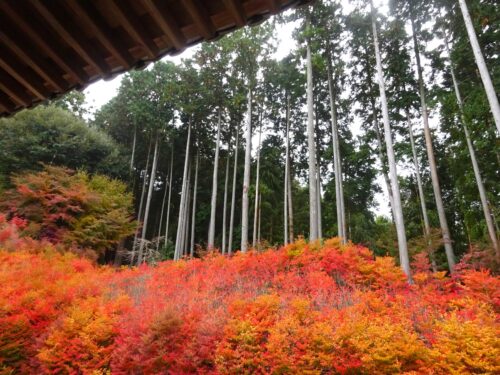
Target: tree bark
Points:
(287, 167)
(213, 205)
(224, 212)
(193, 215)
(246, 176)
(430, 155)
(337, 168)
(475, 166)
(257, 181)
(233, 194)
(313, 195)
(148, 200)
(400, 226)
(160, 225)
(141, 203)
(132, 158)
(178, 243)
(169, 196)
(481, 64)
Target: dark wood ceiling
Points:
(48, 47)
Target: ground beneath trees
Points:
(300, 309)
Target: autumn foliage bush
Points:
(302, 309)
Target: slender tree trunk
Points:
(481, 64)
(185, 234)
(164, 200)
(318, 189)
(383, 164)
(132, 158)
(178, 243)
(148, 201)
(233, 194)
(213, 205)
(430, 155)
(287, 167)
(169, 195)
(421, 195)
(141, 203)
(224, 212)
(290, 204)
(475, 166)
(400, 226)
(257, 182)
(313, 195)
(337, 168)
(259, 217)
(193, 215)
(246, 176)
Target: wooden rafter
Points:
(12, 88)
(237, 12)
(88, 14)
(200, 17)
(133, 26)
(22, 74)
(48, 47)
(25, 51)
(39, 37)
(166, 23)
(75, 40)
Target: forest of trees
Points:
(233, 148)
(226, 214)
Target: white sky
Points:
(99, 93)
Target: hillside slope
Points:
(300, 309)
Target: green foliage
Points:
(54, 136)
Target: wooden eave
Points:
(49, 47)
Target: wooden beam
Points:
(74, 40)
(275, 6)
(26, 52)
(237, 12)
(133, 26)
(167, 23)
(7, 103)
(39, 36)
(13, 89)
(91, 16)
(22, 74)
(200, 17)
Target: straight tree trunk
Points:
(148, 201)
(185, 234)
(257, 182)
(481, 64)
(141, 203)
(290, 204)
(132, 158)
(182, 214)
(400, 226)
(246, 176)
(475, 166)
(193, 215)
(233, 194)
(224, 212)
(213, 205)
(318, 189)
(169, 196)
(287, 167)
(160, 225)
(336, 158)
(259, 214)
(430, 155)
(382, 162)
(313, 195)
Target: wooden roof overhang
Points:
(49, 47)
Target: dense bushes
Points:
(300, 309)
(89, 213)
